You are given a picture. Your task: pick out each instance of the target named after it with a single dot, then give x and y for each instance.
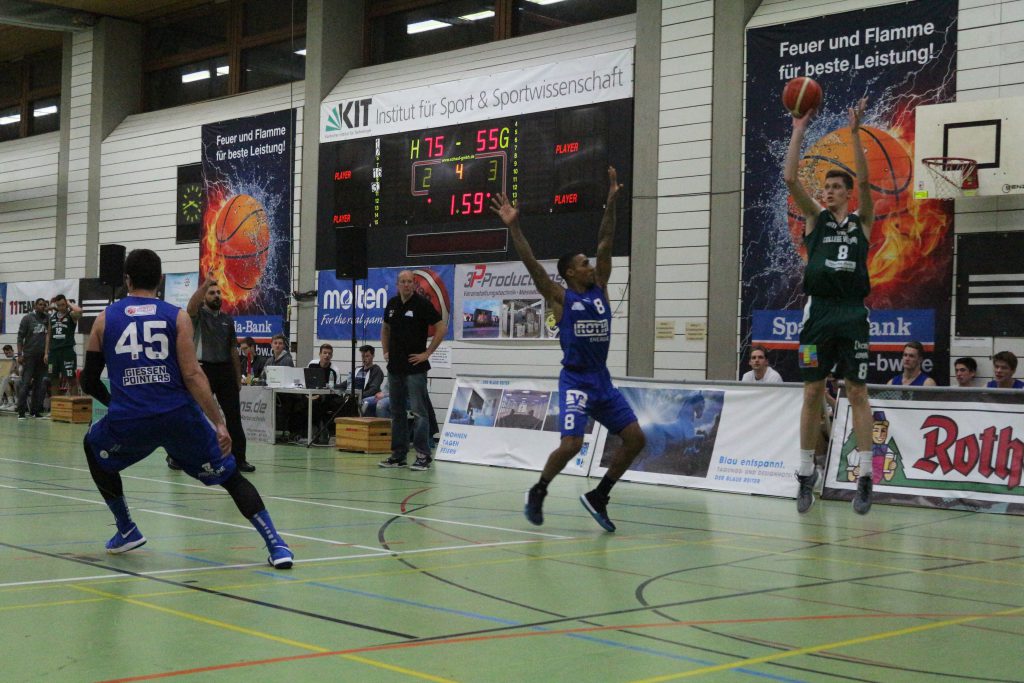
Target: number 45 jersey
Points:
(139, 337)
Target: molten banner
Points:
(898, 60)
(950, 448)
(245, 239)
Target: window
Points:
(223, 49)
(30, 95)
(400, 29)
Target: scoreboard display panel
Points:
(425, 195)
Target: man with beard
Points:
(217, 351)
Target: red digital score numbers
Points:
(435, 174)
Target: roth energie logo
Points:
(993, 452)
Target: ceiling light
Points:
(45, 111)
(544, 2)
(195, 76)
(7, 120)
(223, 70)
(428, 25)
(477, 16)
(301, 52)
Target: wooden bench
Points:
(71, 409)
(363, 434)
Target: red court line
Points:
(414, 493)
(532, 634)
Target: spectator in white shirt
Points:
(760, 371)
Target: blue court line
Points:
(507, 622)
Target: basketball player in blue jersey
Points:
(835, 330)
(159, 397)
(585, 387)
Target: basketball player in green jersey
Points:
(60, 354)
(835, 324)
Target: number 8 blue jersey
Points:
(139, 346)
(585, 329)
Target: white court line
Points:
(389, 513)
(264, 565)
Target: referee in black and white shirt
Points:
(217, 351)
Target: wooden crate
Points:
(71, 409)
(363, 434)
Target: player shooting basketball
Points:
(585, 387)
(835, 324)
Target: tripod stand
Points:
(349, 405)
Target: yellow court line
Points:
(58, 603)
(260, 634)
(826, 646)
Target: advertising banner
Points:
(500, 301)
(722, 437)
(508, 422)
(245, 240)
(567, 83)
(22, 295)
(179, 288)
(335, 301)
(956, 449)
(257, 406)
(898, 61)
(3, 305)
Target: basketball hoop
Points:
(952, 177)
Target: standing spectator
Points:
(1004, 364)
(251, 362)
(60, 353)
(31, 353)
(403, 337)
(912, 375)
(217, 351)
(966, 368)
(10, 379)
(760, 371)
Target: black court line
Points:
(211, 591)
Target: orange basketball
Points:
(243, 238)
(801, 95)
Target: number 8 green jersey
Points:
(837, 259)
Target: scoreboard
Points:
(425, 195)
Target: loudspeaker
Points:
(112, 264)
(350, 252)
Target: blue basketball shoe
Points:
(122, 543)
(281, 557)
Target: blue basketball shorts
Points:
(184, 433)
(591, 394)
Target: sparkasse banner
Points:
(569, 83)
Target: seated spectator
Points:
(369, 381)
(966, 368)
(251, 362)
(10, 378)
(760, 371)
(1004, 364)
(279, 354)
(323, 406)
(912, 375)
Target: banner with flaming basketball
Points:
(898, 61)
(246, 232)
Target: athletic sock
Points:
(806, 462)
(543, 484)
(604, 487)
(866, 462)
(261, 520)
(121, 514)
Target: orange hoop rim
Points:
(949, 163)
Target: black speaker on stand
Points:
(350, 257)
(112, 267)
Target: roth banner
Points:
(567, 83)
(898, 60)
(245, 239)
(335, 301)
(947, 448)
(716, 436)
(509, 422)
(500, 301)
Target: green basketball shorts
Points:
(834, 339)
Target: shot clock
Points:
(427, 193)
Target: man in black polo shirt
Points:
(217, 351)
(404, 340)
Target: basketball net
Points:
(952, 177)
